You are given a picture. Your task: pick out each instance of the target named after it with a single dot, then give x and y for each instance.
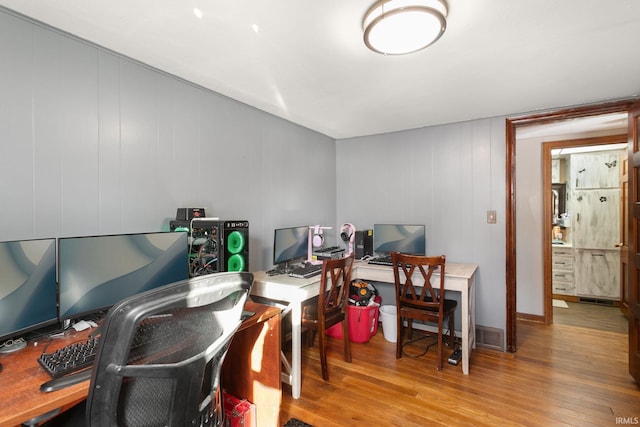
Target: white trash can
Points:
(389, 325)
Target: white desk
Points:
(458, 278)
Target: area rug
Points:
(560, 303)
(294, 422)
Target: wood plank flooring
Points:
(560, 376)
(591, 316)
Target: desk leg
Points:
(468, 324)
(465, 331)
(292, 370)
(472, 312)
(296, 349)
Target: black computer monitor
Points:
(404, 238)
(95, 272)
(290, 245)
(27, 289)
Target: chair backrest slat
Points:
(335, 280)
(413, 274)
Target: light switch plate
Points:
(491, 217)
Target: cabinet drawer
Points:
(562, 277)
(559, 251)
(562, 263)
(565, 289)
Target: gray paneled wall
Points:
(95, 143)
(445, 177)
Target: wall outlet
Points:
(491, 217)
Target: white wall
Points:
(529, 259)
(446, 177)
(95, 143)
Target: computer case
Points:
(216, 245)
(363, 243)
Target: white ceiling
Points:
(305, 60)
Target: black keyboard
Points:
(77, 356)
(74, 357)
(329, 249)
(306, 271)
(381, 260)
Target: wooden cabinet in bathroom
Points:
(594, 206)
(599, 170)
(597, 273)
(562, 270)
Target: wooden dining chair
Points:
(417, 298)
(331, 308)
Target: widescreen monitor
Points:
(404, 238)
(27, 287)
(290, 244)
(95, 272)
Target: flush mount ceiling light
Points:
(397, 27)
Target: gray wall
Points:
(446, 177)
(95, 143)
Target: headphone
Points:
(318, 237)
(346, 231)
(348, 234)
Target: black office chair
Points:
(160, 355)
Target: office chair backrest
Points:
(160, 354)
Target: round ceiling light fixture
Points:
(397, 27)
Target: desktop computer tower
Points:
(235, 245)
(216, 245)
(363, 243)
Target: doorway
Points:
(583, 217)
(512, 124)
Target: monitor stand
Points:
(11, 346)
(287, 267)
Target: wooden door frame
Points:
(512, 123)
(634, 241)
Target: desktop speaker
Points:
(185, 214)
(363, 243)
(235, 246)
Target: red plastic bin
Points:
(363, 323)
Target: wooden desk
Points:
(294, 292)
(21, 377)
(251, 369)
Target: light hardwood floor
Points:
(560, 376)
(591, 316)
